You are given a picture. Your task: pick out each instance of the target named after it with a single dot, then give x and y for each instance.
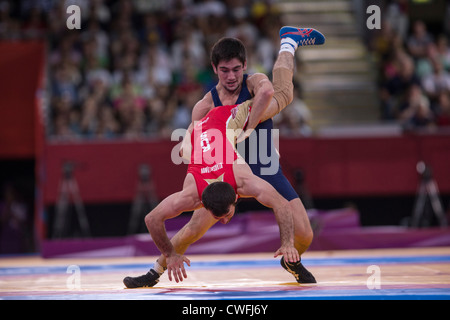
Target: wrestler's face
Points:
(227, 217)
(231, 74)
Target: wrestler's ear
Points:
(214, 68)
(245, 66)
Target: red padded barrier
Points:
(107, 171)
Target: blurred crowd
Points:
(136, 67)
(414, 69)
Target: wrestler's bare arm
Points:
(201, 108)
(170, 207)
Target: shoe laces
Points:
(306, 42)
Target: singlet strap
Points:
(244, 95)
(215, 96)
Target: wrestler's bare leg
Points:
(282, 75)
(282, 82)
(284, 60)
(303, 234)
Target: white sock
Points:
(289, 45)
(158, 268)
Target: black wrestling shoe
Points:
(298, 271)
(147, 280)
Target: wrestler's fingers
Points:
(188, 262)
(169, 272)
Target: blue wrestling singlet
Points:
(264, 163)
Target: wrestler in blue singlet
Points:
(277, 180)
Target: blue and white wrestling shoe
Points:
(302, 36)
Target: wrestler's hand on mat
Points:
(175, 266)
(289, 252)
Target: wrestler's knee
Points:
(285, 96)
(304, 235)
(303, 232)
(148, 219)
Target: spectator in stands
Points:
(66, 80)
(107, 127)
(6, 20)
(155, 69)
(438, 81)
(160, 110)
(152, 32)
(389, 52)
(398, 17)
(61, 127)
(98, 11)
(446, 21)
(382, 43)
(57, 29)
(182, 116)
(416, 111)
(73, 124)
(267, 45)
(97, 86)
(89, 120)
(135, 125)
(125, 52)
(95, 43)
(443, 110)
(436, 50)
(66, 49)
(212, 23)
(35, 27)
(424, 65)
(395, 87)
(419, 40)
(188, 47)
(64, 115)
(129, 104)
(443, 51)
(210, 7)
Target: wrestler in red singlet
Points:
(213, 145)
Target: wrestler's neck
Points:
(228, 96)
